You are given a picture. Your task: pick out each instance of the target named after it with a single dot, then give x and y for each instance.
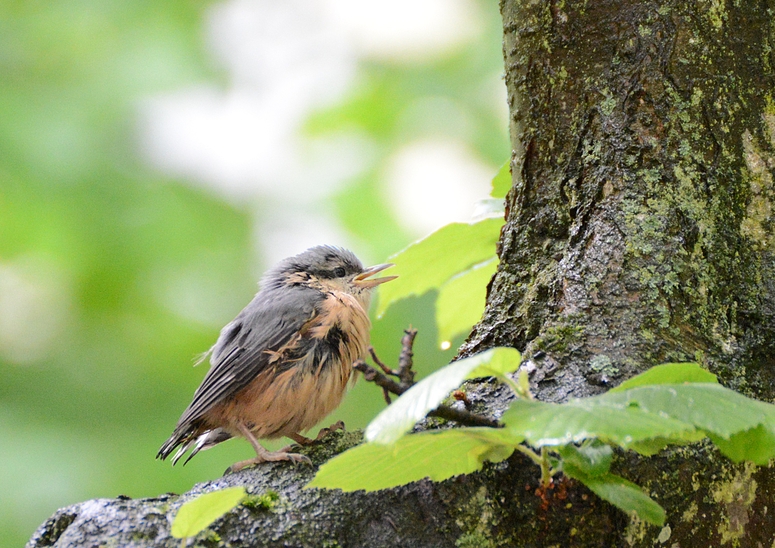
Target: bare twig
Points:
(463, 417)
(380, 379)
(405, 360)
(406, 380)
(381, 365)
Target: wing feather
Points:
(244, 349)
(270, 321)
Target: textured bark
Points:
(639, 227)
(470, 511)
(639, 230)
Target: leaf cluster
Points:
(676, 403)
(460, 277)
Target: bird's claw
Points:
(338, 425)
(299, 458)
(277, 456)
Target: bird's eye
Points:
(339, 272)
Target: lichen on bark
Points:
(640, 213)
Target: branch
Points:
(405, 375)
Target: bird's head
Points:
(328, 268)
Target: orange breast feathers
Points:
(343, 320)
(310, 373)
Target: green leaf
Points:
(669, 373)
(400, 416)
(461, 300)
(655, 445)
(623, 494)
(592, 458)
(619, 423)
(501, 183)
(756, 445)
(674, 412)
(427, 264)
(197, 514)
(711, 407)
(437, 455)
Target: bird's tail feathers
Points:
(205, 441)
(188, 437)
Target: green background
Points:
(98, 231)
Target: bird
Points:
(286, 360)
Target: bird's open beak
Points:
(361, 279)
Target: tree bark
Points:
(639, 230)
(639, 226)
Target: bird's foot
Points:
(338, 425)
(304, 441)
(268, 456)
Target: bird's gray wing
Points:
(244, 347)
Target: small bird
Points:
(285, 361)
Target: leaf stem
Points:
(532, 455)
(546, 471)
(519, 390)
(511, 384)
(542, 460)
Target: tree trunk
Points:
(639, 230)
(639, 226)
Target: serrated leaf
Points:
(756, 445)
(461, 300)
(711, 407)
(549, 424)
(501, 183)
(427, 264)
(437, 455)
(199, 513)
(592, 458)
(655, 445)
(400, 416)
(669, 373)
(623, 494)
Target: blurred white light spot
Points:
(242, 144)
(446, 345)
(290, 229)
(432, 183)
(284, 60)
(198, 292)
(34, 306)
(406, 29)
(293, 44)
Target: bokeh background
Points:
(156, 157)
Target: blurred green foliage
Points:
(124, 275)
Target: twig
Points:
(380, 379)
(405, 359)
(464, 417)
(406, 380)
(381, 365)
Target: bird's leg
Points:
(303, 440)
(338, 425)
(262, 455)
